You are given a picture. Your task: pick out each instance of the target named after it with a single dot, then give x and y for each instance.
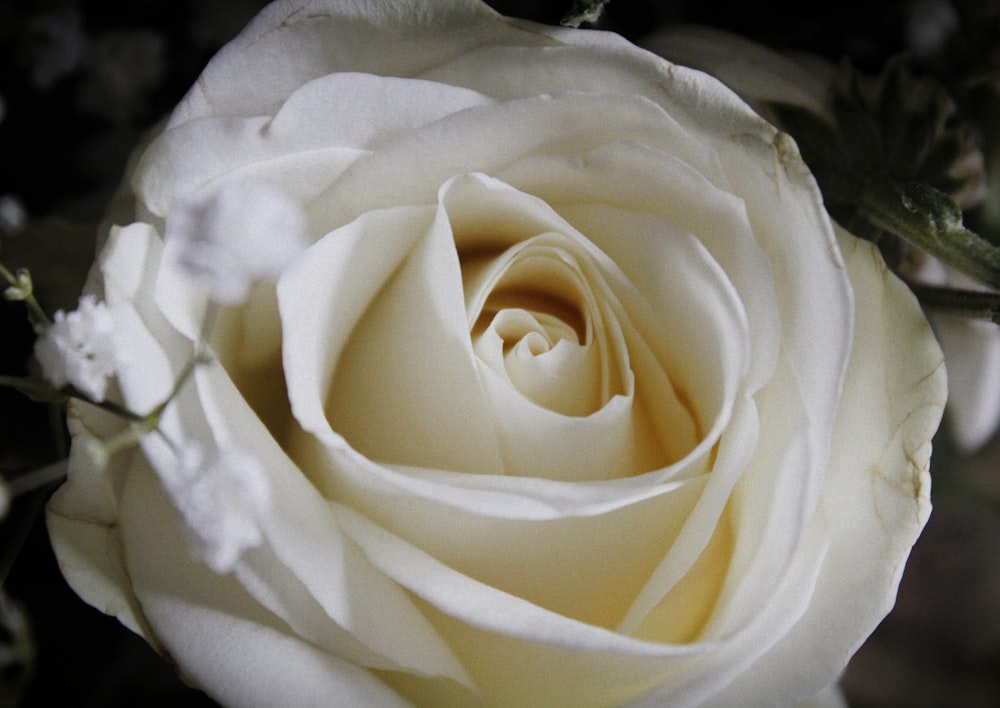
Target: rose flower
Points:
(571, 393)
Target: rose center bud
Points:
(553, 342)
(541, 328)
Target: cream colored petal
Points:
(300, 40)
(359, 111)
(403, 386)
(586, 567)
(647, 617)
(82, 521)
(679, 374)
(424, 159)
(764, 168)
(326, 292)
(217, 634)
(703, 348)
(519, 653)
(876, 494)
(306, 573)
(543, 287)
(595, 190)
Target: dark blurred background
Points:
(80, 80)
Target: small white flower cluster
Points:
(221, 495)
(81, 348)
(231, 238)
(234, 236)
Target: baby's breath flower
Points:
(80, 348)
(234, 236)
(221, 496)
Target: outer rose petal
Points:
(876, 498)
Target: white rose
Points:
(575, 398)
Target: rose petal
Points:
(648, 616)
(876, 494)
(517, 652)
(518, 128)
(605, 184)
(658, 355)
(81, 518)
(191, 155)
(221, 637)
(299, 573)
(317, 38)
(417, 322)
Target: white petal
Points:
(517, 652)
(82, 522)
(220, 637)
(359, 110)
(424, 159)
(355, 373)
(306, 571)
(876, 497)
(300, 40)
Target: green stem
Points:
(109, 406)
(36, 314)
(21, 527)
(930, 219)
(34, 388)
(954, 301)
(30, 481)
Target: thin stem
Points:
(954, 301)
(22, 526)
(36, 314)
(109, 406)
(34, 388)
(931, 220)
(30, 481)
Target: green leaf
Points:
(884, 154)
